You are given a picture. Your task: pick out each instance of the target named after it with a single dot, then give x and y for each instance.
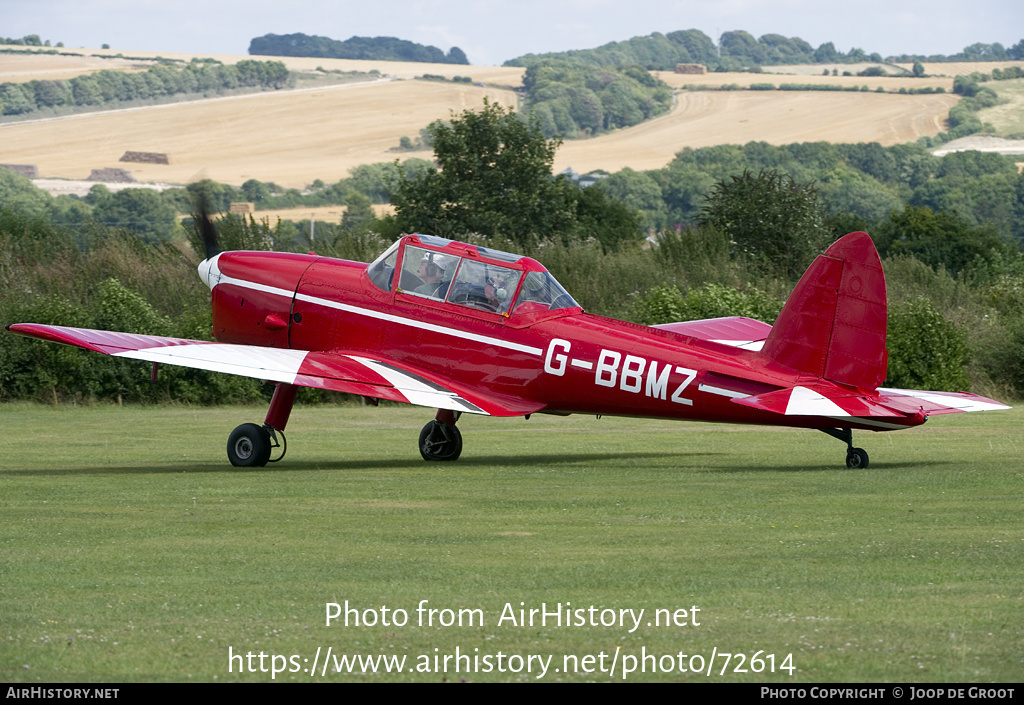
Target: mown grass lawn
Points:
(132, 551)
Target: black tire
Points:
(249, 446)
(856, 459)
(439, 441)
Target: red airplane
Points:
(467, 329)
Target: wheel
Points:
(249, 446)
(856, 458)
(439, 441)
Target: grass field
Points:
(132, 551)
(1007, 118)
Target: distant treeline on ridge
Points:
(375, 48)
(740, 50)
(109, 88)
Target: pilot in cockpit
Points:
(432, 271)
(496, 293)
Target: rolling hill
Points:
(293, 138)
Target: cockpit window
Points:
(426, 273)
(488, 287)
(434, 241)
(382, 269)
(542, 292)
(467, 281)
(498, 255)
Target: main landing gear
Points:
(855, 457)
(440, 439)
(250, 445)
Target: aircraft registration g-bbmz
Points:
(466, 329)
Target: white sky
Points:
(492, 31)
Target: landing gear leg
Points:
(440, 439)
(250, 446)
(855, 457)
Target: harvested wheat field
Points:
(705, 118)
(19, 68)
(295, 137)
(319, 214)
(288, 137)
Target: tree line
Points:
(111, 88)
(374, 48)
(573, 99)
(740, 50)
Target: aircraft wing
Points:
(740, 332)
(825, 399)
(353, 372)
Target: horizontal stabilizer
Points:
(820, 400)
(930, 403)
(737, 331)
(832, 401)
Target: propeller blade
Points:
(207, 231)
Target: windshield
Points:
(426, 273)
(467, 281)
(542, 292)
(382, 269)
(488, 287)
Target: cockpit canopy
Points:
(442, 270)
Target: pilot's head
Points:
(431, 270)
(495, 289)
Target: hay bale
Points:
(29, 171)
(145, 157)
(113, 176)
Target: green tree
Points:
(940, 239)
(606, 219)
(639, 190)
(774, 222)
(358, 211)
(494, 179)
(217, 197)
(140, 210)
(926, 349)
(19, 193)
(16, 99)
(256, 191)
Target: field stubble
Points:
(141, 555)
(295, 138)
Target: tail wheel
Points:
(440, 441)
(249, 446)
(856, 458)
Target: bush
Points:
(926, 349)
(666, 304)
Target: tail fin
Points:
(833, 325)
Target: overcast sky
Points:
(493, 31)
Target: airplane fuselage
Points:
(563, 361)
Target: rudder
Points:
(833, 325)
